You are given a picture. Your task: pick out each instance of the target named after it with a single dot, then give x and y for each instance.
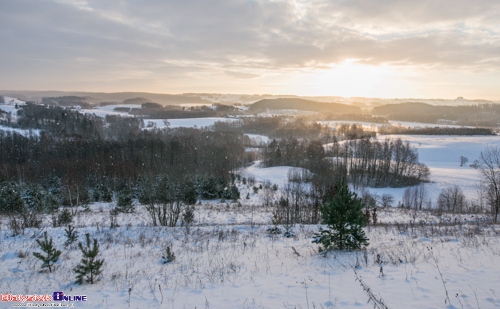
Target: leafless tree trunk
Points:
(489, 165)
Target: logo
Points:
(25, 298)
(59, 296)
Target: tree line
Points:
(363, 162)
(473, 115)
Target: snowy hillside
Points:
(223, 263)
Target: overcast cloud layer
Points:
(247, 45)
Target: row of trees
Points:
(376, 163)
(364, 161)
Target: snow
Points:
(257, 138)
(374, 126)
(20, 131)
(407, 124)
(275, 175)
(112, 107)
(13, 101)
(9, 108)
(103, 111)
(238, 265)
(187, 122)
(10, 105)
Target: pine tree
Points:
(343, 214)
(71, 235)
(51, 254)
(89, 267)
(125, 201)
(188, 217)
(64, 217)
(168, 257)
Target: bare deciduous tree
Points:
(489, 165)
(452, 199)
(414, 197)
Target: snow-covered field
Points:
(20, 131)
(441, 153)
(370, 126)
(228, 260)
(103, 111)
(186, 122)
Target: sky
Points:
(388, 49)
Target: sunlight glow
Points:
(353, 79)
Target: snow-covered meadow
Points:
(229, 260)
(441, 153)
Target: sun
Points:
(352, 79)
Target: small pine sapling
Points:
(168, 257)
(188, 218)
(125, 201)
(51, 254)
(89, 267)
(64, 217)
(71, 235)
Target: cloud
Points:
(242, 38)
(241, 75)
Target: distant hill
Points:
(67, 101)
(139, 101)
(303, 105)
(409, 108)
(97, 97)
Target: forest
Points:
(482, 115)
(72, 159)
